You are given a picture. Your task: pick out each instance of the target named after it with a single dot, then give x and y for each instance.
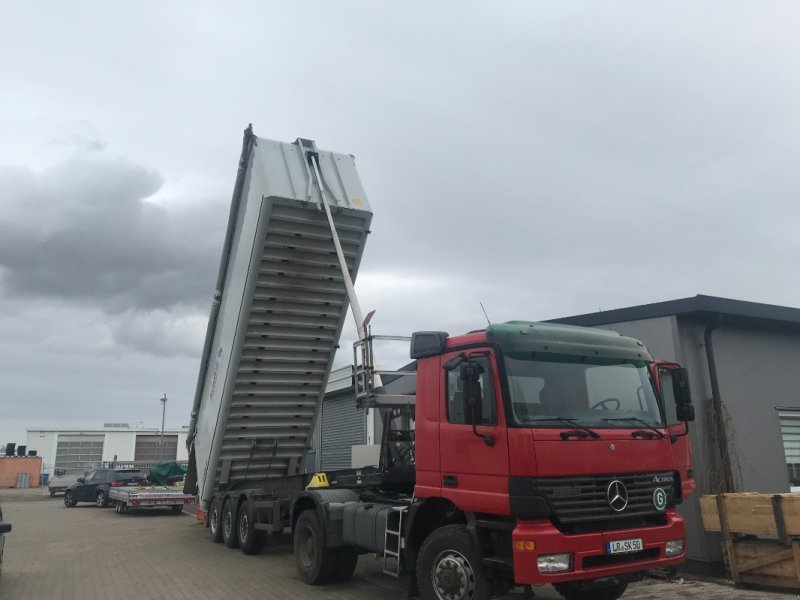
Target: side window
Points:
(457, 411)
(668, 396)
(91, 477)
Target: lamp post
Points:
(163, 414)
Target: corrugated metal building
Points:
(742, 359)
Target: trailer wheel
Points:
(229, 537)
(571, 592)
(315, 564)
(251, 540)
(449, 567)
(177, 508)
(346, 562)
(215, 521)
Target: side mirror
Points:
(685, 412)
(683, 396)
(470, 375)
(81, 479)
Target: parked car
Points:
(94, 485)
(60, 482)
(4, 529)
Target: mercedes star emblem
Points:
(617, 495)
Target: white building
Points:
(75, 449)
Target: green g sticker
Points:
(660, 499)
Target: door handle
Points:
(450, 480)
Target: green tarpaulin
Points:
(166, 473)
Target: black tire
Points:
(251, 540)
(69, 499)
(52, 493)
(177, 508)
(101, 499)
(571, 592)
(315, 564)
(228, 525)
(346, 562)
(214, 521)
(450, 562)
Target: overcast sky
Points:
(546, 159)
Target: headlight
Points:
(674, 547)
(555, 563)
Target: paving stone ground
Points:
(86, 553)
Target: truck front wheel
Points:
(315, 564)
(449, 567)
(571, 591)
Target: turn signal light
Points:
(525, 545)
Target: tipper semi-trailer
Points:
(528, 453)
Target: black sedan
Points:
(94, 485)
(4, 529)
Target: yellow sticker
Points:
(357, 201)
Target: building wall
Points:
(119, 442)
(11, 466)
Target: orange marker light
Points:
(525, 545)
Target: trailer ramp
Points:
(278, 312)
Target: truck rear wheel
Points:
(215, 521)
(315, 564)
(449, 566)
(571, 591)
(251, 540)
(228, 527)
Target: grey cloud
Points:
(83, 231)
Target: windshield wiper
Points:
(638, 420)
(572, 422)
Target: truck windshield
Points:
(591, 392)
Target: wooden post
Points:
(726, 538)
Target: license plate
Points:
(624, 546)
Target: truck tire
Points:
(450, 566)
(572, 592)
(215, 521)
(346, 562)
(228, 525)
(251, 540)
(315, 564)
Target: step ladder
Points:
(393, 541)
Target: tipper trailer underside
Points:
(280, 305)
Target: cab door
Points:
(474, 462)
(672, 383)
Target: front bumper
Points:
(590, 560)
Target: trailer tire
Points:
(572, 592)
(315, 564)
(228, 525)
(251, 540)
(177, 508)
(215, 521)
(450, 566)
(346, 562)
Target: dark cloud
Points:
(84, 231)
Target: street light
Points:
(163, 414)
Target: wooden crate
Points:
(773, 559)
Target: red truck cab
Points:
(573, 437)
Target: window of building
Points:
(790, 432)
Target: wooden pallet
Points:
(760, 536)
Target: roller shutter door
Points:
(78, 453)
(343, 425)
(148, 448)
